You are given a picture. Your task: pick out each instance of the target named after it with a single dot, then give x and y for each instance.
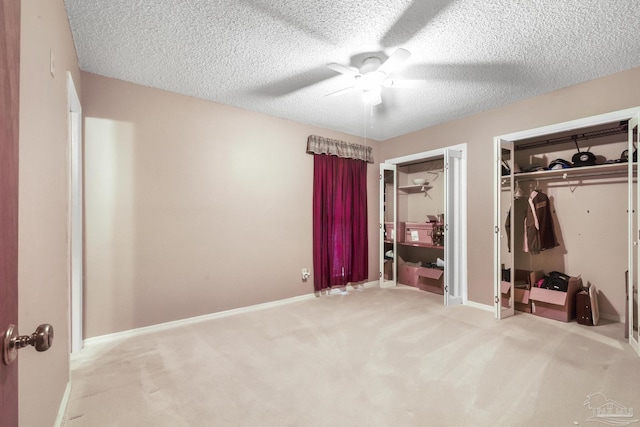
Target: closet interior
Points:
(414, 225)
(587, 180)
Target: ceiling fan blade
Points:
(414, 19)
(404, 83)
(291, 84)
(394, 61)
(341, 91)
(343, 69)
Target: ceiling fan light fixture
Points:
(372, 75)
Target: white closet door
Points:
(503, 197)
(453, 274)
(633, 302)
(388, 215)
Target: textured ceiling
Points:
(271, 56)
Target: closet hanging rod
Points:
(568, 175)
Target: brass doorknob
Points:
(41, 339)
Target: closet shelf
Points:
(613, 169)
(420, 245)
(617, 128)
(411, 189)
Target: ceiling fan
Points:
(373, 75)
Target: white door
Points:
(633, 302)
(454, 272)
(503, 240)
(388, 225)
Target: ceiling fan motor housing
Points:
(370, 65)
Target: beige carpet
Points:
(373, 357)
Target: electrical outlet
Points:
(305, 274)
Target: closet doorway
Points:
(594, 203)
(423, 236)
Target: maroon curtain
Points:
(340, 242)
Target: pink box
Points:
(555, 305)
(431, 279)
(521, 296)
(390, 229)
(522, 300)
(419, 232)
(506, 294)
(388, 269)
(408, 275)
(426, 279)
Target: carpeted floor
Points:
(372, 357)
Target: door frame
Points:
(502, 311)
(391, 206)
(76, 217)
(455, 237)
(456, 281)
(634, 235)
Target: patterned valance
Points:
(321, 145)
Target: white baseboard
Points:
(177, 323)
(62, 410)
(612, 317)
(480, 306)
(485, 307)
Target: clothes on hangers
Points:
(538, 224)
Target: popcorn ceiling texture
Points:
(271, 56)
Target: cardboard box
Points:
(555, 305)
(408, 274)
(523, 281)
(391, 231)
(388, 269)
(522, 296)
(431, 280)
(426, 279)
(420, 233)
(522, 300)
(505, 290)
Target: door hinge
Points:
(380, 274)
(497, 229)
(380, 178)
(446, 289)
(497, 300)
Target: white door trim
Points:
(462, 217)
(76, 223)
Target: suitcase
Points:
(584, 314)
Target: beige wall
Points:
(611, 93)
(193, 207)
(43, 262)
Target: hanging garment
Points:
(538, 224)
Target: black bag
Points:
(584, 313)
(556, 281)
